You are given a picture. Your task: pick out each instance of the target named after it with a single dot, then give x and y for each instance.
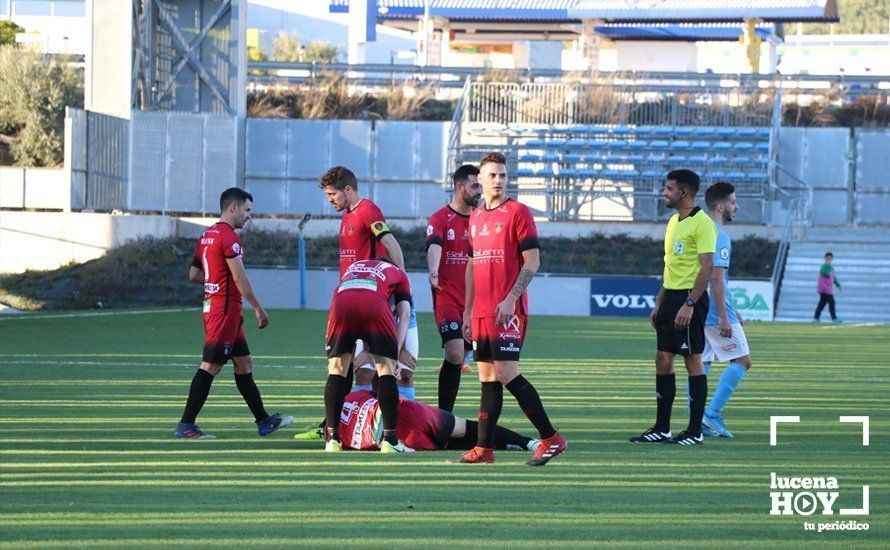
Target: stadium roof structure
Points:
(611, 11)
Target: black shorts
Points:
(687, 341)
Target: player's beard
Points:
(727, 216)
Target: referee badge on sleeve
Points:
(724, 253)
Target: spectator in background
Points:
(825, 287)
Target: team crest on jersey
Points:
(429, 230)
(351, 230)
(236, 248)
(498, 227)
(679, 247)
(484, 230)
(450, 235)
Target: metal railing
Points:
(456, 131)
(620, 102)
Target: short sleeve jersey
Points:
(498, 237)
(376, 278)
(217, 244)
(360, 230)
(684, 240)
(356, 426)
(451, 230)
(722, 255)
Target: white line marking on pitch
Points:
(98, 313)
(851, 325)
(127, 364)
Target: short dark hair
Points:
(493, 157)
(338, 177)
(685, 178)
(718, 193)
(233, 194)
(463, 173)
(829, 254)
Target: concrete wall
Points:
(34, 188)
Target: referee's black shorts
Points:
(687, 341)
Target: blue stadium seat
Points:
(658, 144)
(622, 130)
(529, 158)
(679, 145)
(683, 131)
(610, 173)
(762, 146)
(550, 157)
(544, 173)
(638, 144)
(534, 143)
(523, 172)
(645, 129)
(594, 157)
(704, 131)
(763, 132)
(747, 132)
(740, 160)
(618, 143)
(726, 132)
(613, 157)
(760, 161)
(560, 129)
(715, 175)
(651, 174)
(677, 158)
(555, 144)
(596, 144)
(717, 160)
(701, 145)
(656, 157)
(722, 146)
(571, 157)
(735, 176)
(744, 146)
(576, 143)
(568, 173)
(698, 159)
(758, 176)
(630, 173)
(588, 172)
(664, 130)
(633, 157)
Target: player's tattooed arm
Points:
(522, 281)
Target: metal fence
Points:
(180, 162)
(680, 103)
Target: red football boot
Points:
(548, 449)
(476, 455)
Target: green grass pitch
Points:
(87, 459)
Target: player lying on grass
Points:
(421, 427)
(361, 311)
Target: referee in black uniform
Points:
(681, 307)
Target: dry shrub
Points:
(405, 102)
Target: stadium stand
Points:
(572, 165)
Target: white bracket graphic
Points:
(859, 420)
(858, 511)
(773, 421)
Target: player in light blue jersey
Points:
(724, 336)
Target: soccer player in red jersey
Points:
(217, 264)
(360, 311)
(364, 235)
(447, 252)
(504, 257)
(422, 427)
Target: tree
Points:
(8, 30)
(857, 17)
(34, 91)
(289, 47)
